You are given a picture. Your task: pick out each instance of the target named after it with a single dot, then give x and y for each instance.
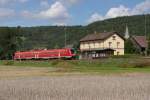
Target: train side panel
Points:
(44, 54)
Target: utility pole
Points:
(65, 37)
(146, 34)
(145, 26)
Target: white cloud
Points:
(3, 2)
(44, 3)
(22, 1)
(118, 11)
(69, 2)
(6, 13)
(112, 13)
(60, 24)
(57, 13)
(141, 8)
(7, 2)
(95, 17)
(27, 14)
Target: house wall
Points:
(116, 43)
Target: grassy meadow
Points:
(57, 67)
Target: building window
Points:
(118, 44)
(110, 44)
(114, 37)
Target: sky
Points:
(67, 12)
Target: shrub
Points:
(142, 64)
(136, 64)
(8, 62)
(127, 56)
(55, 62)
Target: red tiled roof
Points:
(98, 36)
(141, 41)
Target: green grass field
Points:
(101, 66)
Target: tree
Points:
(129, 47)
(8, 42)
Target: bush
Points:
(127, 56)
(8, 62)
(55, 62)
(142, 64)
(136, 64)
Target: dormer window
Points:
(114, 37)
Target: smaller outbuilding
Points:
(141, 43)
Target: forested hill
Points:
(136, 24)
(54, 36)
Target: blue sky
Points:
(67, 12)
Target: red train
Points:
(45, 54)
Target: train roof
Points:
(42, 50)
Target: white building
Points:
(102, 45)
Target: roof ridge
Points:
(99, 36)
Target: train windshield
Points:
(73, 51)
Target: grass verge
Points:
(59, 67)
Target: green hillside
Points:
(53, 36)
(136, 24)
